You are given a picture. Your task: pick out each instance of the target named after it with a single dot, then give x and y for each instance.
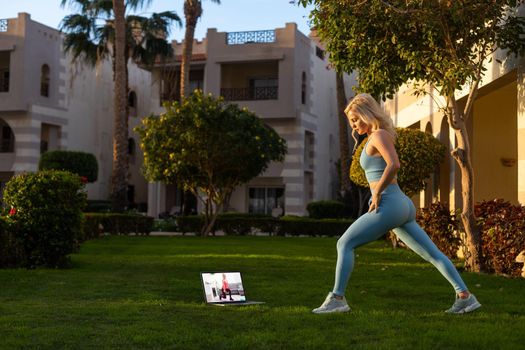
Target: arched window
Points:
(132, 103)
(132, 99)
(44, 81)
(303, 89)
(7, 138)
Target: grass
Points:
(145, 293)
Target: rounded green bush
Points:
(46, 215)
(419, 154)
(80, 163)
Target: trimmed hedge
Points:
(45, 216)
(243, 224)
(80, 163)
(295, 226)
(502, 227)
(116, 224)
(98, 206)
(230, 223)
(327, 210)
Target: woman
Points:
(225, 288)
(390, 209)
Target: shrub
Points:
(326, 210)
(47, 216)
(80, 163)
(116, 224)
(502, 226)
(441, 226)
(419, 153)
(9, 249)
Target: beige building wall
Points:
(303, 112)
(77, 114)
(495, 145)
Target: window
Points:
(5, 58)
(309, 144)
(44, 81)
(303, 88)
(131, 146)
(263, 200)
(319, 52)
(263, 89)
(132, 104)
(7, 140)
(132, 99)
(196, 85)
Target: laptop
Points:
(224, 289)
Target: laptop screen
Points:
(223, 287)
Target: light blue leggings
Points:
(395, 212)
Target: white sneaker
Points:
(462, 306)
(331, 304)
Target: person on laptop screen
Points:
(225, 288)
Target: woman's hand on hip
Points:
(375, 201)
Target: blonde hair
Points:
(367, 109)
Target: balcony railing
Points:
(3, 25)
(257, 36)
(250, 94)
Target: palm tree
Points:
(120, 137)
(343, 134)
(102, 30)
(192, 13)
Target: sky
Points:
(229, 16)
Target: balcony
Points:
(251, 37)
(250, 94)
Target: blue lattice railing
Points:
(3, 25)
(258, 36)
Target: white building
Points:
(47, 102)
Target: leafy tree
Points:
(439, 43)
(419, 154)
(208, 148)
(102, 30)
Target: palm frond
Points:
(76, 23)
(80, 46)
(135, 4)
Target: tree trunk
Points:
(461, 154)
(120, 134)
(192, 12)
(343, 135)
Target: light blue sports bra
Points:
(374, 166)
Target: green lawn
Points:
(145, 293)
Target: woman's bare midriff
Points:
(373, 184)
